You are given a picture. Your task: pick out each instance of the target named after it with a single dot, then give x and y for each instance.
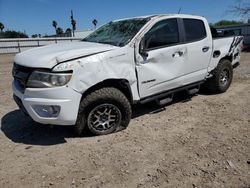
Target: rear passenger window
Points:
(163, 33)
(195, 30)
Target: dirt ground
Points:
(202, 142)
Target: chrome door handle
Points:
(205, 49)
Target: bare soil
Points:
(199, 142)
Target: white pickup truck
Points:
(91, 84)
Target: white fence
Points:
(19, 45)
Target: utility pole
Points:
(73, 23)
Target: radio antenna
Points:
(179, 10)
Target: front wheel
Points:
(222, 77)
(103, 111)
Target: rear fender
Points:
(226, 48)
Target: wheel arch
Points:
(227, 57)
(120, 84)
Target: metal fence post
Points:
(18, 44)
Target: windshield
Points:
(118, 33)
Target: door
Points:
(179, 52)
(199, 49)
(165, 61)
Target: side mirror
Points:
(143, 47)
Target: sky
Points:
(36, 16)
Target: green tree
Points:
(34, 36)
(1, 27)
(54, 24)
(13, 34)
(59, 31)
(68, 30)
(227, 22)
(94, 22)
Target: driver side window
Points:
(162, 34)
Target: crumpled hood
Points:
(49, 56)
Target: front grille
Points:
(21, 75)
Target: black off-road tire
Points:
(215, 84)
(100, 97)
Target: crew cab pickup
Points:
(91, 84)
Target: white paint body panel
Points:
(223, 45)
(93, 63)
(168, 69)
(51, 55)
(64, 97)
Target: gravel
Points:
(202, 142)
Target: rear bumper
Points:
(66, 98)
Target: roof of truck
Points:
(162, 15)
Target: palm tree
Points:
(1, 27)
(73, 23)
(94, 22)
(59, 31)
(54, 24)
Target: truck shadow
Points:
(22, 129)
(153, 107)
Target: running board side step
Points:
(165, 101)
(192, 91)
(167, 96)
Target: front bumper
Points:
(65, 97)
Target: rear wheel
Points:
(222, 77)
(102, 112)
